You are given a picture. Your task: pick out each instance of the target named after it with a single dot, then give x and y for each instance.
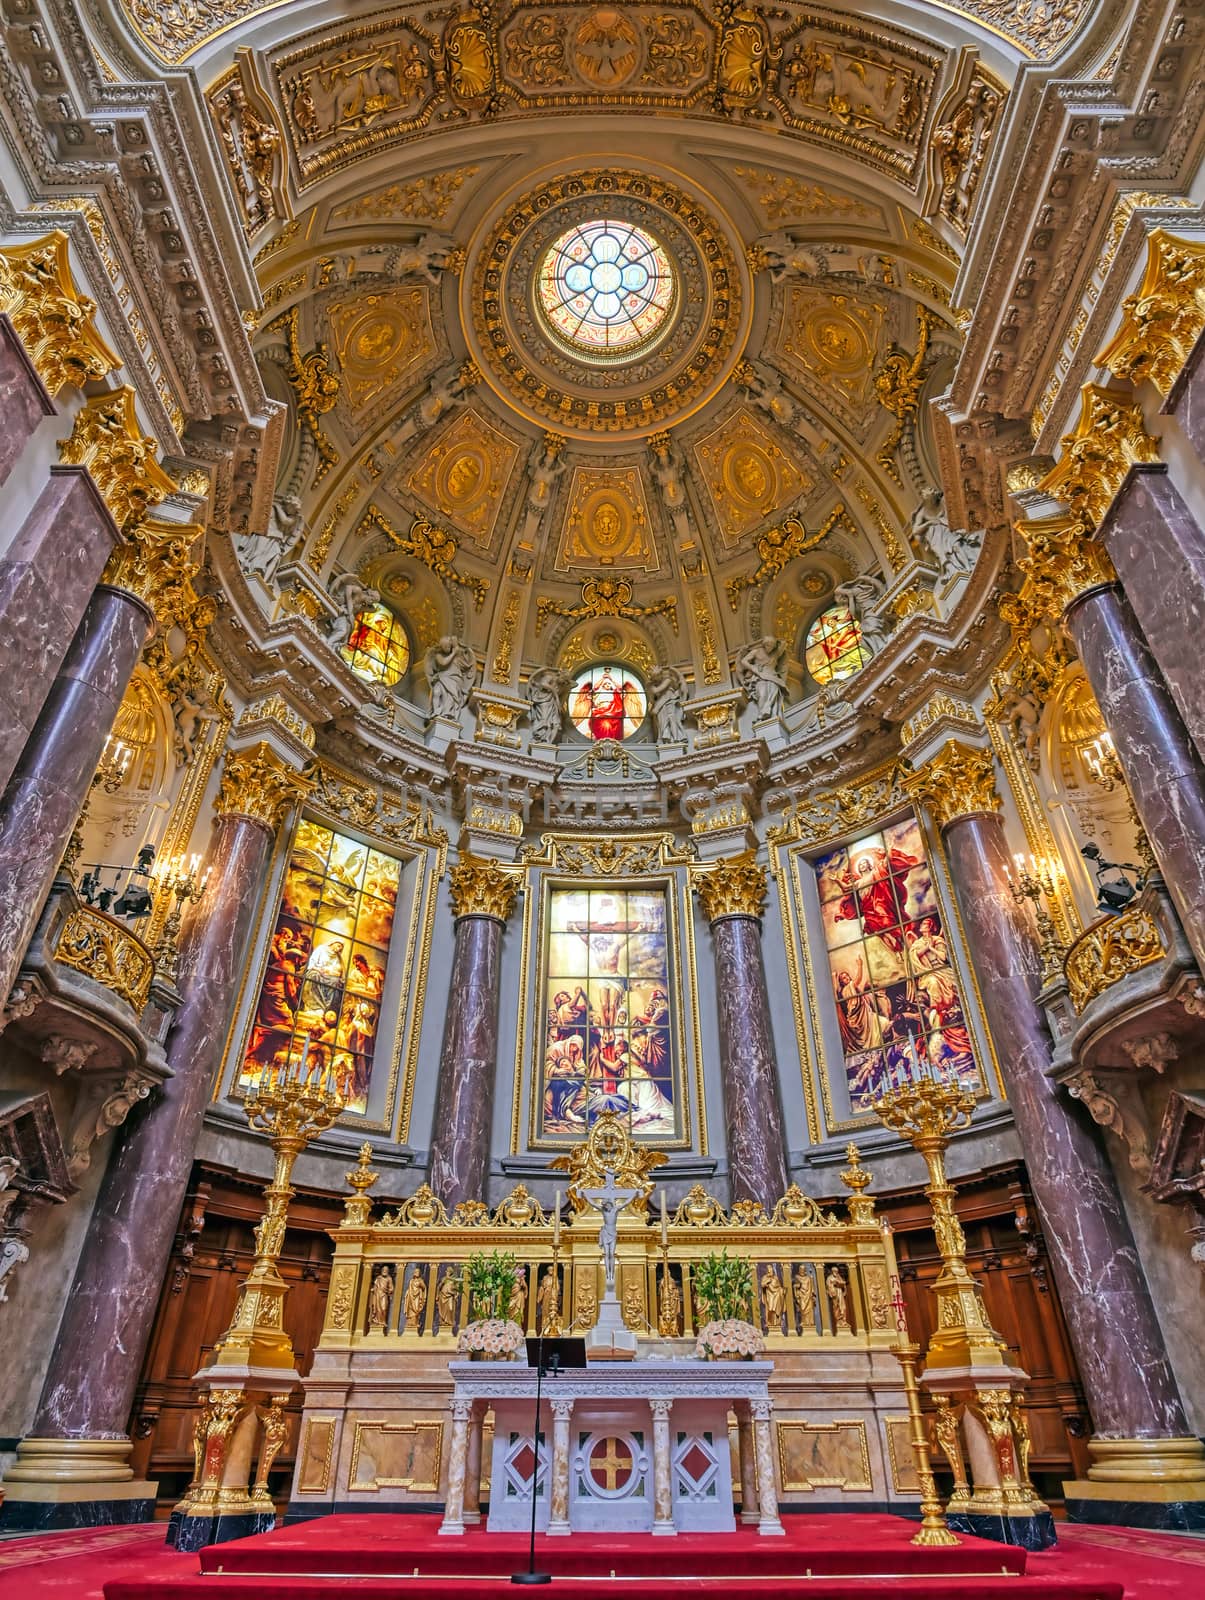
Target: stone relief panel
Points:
(749, 478)
(431, 197)
(834, 343)
(464, 475)
(782, 197)
(649, 50)
(607, 522)
(379, 338)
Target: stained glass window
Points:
(320, 1000)
(899, 1005)
(607, 703)
(606, 288)
(608, 1041)
(834, 647)
(377, 647)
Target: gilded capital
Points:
(1162, 322)
(480, 887)
(959, 781)
(154, 563)
(1109, 439)
(52, 320)
(733, 888)
(259, 785)
(122, 460)
(1062, 562)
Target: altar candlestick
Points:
(556, 1220)
(664, 1223)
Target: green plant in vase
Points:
(723, 1287)
(490, 1278)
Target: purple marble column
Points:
(1104, 1296)
(1160, 762)
(47, 576)
(40, 805)
(90, 1383)
(1187, 400)
(757, 1164)
(464, 1102)
(23, 398)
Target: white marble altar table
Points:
(637, 1447)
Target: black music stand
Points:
(546, 1356)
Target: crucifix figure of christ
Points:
(610, 1201)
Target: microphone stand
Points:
(531, 1575)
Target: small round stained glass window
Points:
(606, 289)
(607, 703)
(377, 648)
(834, 648)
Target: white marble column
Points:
(663, 1489)
(453, 1521)
(472, 1467)
(748, 1461)
(763, 1423)
(558, 1504)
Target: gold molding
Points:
(1062, 562)
(1109, 438)
(959, 781)
(1110, 950)
(259, 785)
(736, 887)
(780, 545)
(154, 563)
(479, 887)
(1163, 320)
(432, 1430)
(434, 547)
(107, 439)
(605, 597)
(105, 951)
(313, 1424)
(51, 318)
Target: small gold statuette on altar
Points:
(248, 1381)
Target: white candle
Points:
(556, 1220)
(664, 1223)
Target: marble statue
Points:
(380, 1299)
(427, 258)
(352, 597)
(609, 1201)
(784, 258)
(837, 1290)
(668, 689)
(764, 389)
(445, 393)
(862, 594)
(761, 672)
(415, 1302)
(773, 1300)
(804, 1289)
(546, 703)
(954, 551)
(450, 668)
(669, 474)
(547, 467)
(186, 687)
(260, 554)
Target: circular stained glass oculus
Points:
(834, 649)
(606, 290)
(607, 702)
(377, 648)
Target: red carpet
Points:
(850, 1558)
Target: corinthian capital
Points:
(1110, 438)
(259, 785)
(154, 563)
(732, 888)
(1062, 562)
(957, 782)
(482, 888)
(51, 318)
(108, 441)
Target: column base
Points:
(44, 1507)
(1030, 1532)
(186, 1532)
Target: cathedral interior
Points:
(569, 568)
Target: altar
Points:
(640, 1447)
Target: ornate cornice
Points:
(1063, 562)
(478, 887)
(52, 319)
(959, 781)
(1109, 439)
(108, 440)
(259, 785)
(1162, 321)
(733, 888)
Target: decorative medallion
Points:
(607, 523)
(378, 338)
(464, 474)
(834, 341)
(749, 478)
(684, 318)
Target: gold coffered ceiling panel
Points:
(607, 523)
(749, 477)
(464, 474)
(378, 338)
(834, 342)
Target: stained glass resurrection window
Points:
(606, 288)
(834, 647)
(607, 703)
(898, 1001)
(608, 1042)
(377, 648)
(320, 1000)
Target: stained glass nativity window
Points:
(320, 1001)
(834, 648)
(606, 288)
(607, 703)
(377, 648)
(898, 1000)
(609, 1025)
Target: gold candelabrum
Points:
(977, 1392)
(110, 774)
(179, 884)
(254, 1359)
(934, 1529)
(1036, 884)
(1100, 757)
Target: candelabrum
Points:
(934, 1529)
(1100, 757)
(179, 884)
(1037, 885)
(292, 1105)
(926, 1113)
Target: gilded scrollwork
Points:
(123, 461)
(605, 597)
(433, 546)
(53, 321)
(103, 949)
(732, 888)
(1110, 950)
(1163, 320)
(959, 781)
